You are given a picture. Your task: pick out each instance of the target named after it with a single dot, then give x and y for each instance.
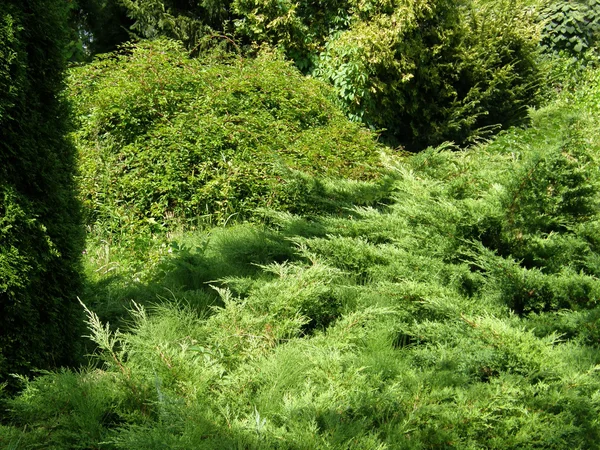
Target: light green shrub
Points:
(165, 139)
(424, 321)
(66, 410)
(426, 71)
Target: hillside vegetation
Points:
(463, 313)
(266, 266)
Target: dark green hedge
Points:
(40, 236)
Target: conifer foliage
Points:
(462, 314)
(40, 238)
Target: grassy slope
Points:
(461, 315)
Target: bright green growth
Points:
(143, 267)
(463, 314)
(165, 139)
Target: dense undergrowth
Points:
(422, 71)
(460, 313)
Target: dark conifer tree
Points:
(40, 236)
(98, 26)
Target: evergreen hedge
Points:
(40, 236)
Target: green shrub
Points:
(461, 312)
(165, 139)
(65, 410)
(555, 191)
(188, 22)
(435, 71)
(301, 29)
(40, 234)
(425, 72)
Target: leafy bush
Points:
(537, 246)
(188, 22)
(40, 234)
(571, 27)
(165, 139)
(424, 71)
(86, 405)
(452, 305)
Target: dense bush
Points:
(462, 312)
(435, 71)
(299, 28)
(188, 22)
(40, 238)
(571, 27)
(164, 139)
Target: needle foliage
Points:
(40, 235)
(461, 313)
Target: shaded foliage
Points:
(435, 71)
(98, 26)
(40, 235)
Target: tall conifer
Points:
(40, 237)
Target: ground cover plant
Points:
(462, 312)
